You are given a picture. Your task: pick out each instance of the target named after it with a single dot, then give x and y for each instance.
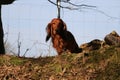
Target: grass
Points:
(102, 64)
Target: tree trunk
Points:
(2, 49)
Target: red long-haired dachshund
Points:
(62, 39)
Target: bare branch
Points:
(75, 7)
(6, 34)
(28, 49)
(6, 1)
(19, 44)
(102, 12)
(82, 5)
(56, 4)
(52, 2)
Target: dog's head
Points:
(56, 26)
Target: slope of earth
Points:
(102, 64)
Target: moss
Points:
(2, 61)
(17, 61)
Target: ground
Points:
(102, 64)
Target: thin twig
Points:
(102, 12)
(19, 44)
(83, 6)
(28, 49)
(72, 8)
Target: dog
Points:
(62, 39)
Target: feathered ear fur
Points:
(48, 30)
(65, 27)
(63, 24)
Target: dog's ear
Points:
(48, 30)
(65, 27)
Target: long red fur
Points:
(62, 39)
